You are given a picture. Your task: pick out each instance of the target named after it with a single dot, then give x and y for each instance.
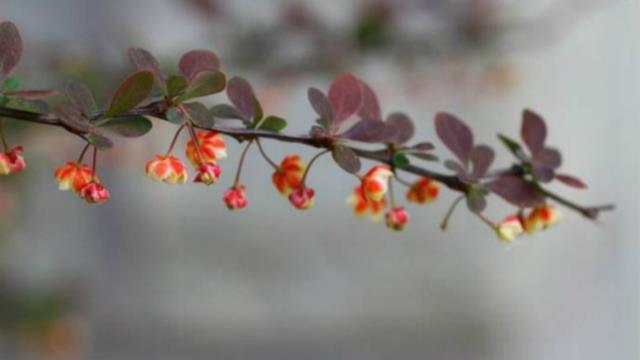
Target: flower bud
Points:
(363, 206)
(212, 147)
(168, 169)
(289, 175)
(208, 173)
(509, 228)
(541, 217)
(235, 198)
(12, 162)
(94, 193)
(303, 198)
(375, 183)
(423, 191)
(397, 218)
(73, 176)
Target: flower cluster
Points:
(539, 218)
(12, 162)
(288, 179)
(82, 180)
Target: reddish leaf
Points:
(400, 128)
(370, 105)
(143, 60)
(543, 174)
(197, 61)
(10, 48)
(369, 131)
(32, 94)
(571, 181)
(423, 146)
(456, 136)
(482, 157)
(346, 159)
(533, 132)
(345, 97)
(516, 191)
(548, 157)
(132, 91)
(241, 95)
(80, 96)
(72, 117)
(320, 104)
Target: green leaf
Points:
(401, 161)
(127, 126)
(204, 84)
(131, 92)
(99, 141)
(174, 116)
(476, 201)
(200, 115)
(11, 83)
(272, 123)
(514, 147)
(3, 100)
(177, 85)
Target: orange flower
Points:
(235, 198)
(423, 191)
(12, 162)
(541, 218)
(363, 206)
(375, 183)
(208, 173)
(302, 198)
(212, 147)
(509, 228)
(289, 175)
(94, 193)
(397, 218)
(168, 169)
(73, 176)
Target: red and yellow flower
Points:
(363, 206)
(12, 162)
(212, 147)
(510, 228)
(397, 218)
(423, 191)
(542, 217)
(73, 176)
(375, 183)
(235, 198)
(94, 193)
(289, 174)
(208, 173)
(302, 198)
(168, 169)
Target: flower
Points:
(303, 198)
(212, 147)
(235, 198)
(363, 206)
(94, 193)
(423, 191)
(73, 176)
(289, 175)
(375, 183)
(541, 217)
(509, 228)
(397, 218)
(12, 162)
(208, 173)
(168, 169)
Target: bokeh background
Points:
(165, 272)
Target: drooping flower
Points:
(303, 198)
(363, 206)
(375, 183)
(168, 169)
(542, 217)
(509, 228)
(423, 191)
(12, 162)
(397, 218)
(235, 198)
(208, 173)
(289, 174)
(73, 176)
(212, 147)
(94, 193)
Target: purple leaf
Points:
(423, 146)
(369, 131)
(548, 157)
(345, 97)
(32, 94)
(80, 96)
(370, 105)
(241, 95)
(482, 157)
(320, 104)
(543, 174)
(143, 60)
(196, 61)
(346, 158)
(71, 117)
(516, 191)
(10, 48)
(456, 136)
(402, 126)
(533, 132)
(571, 181)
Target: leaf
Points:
(143, 60)
(402, 128)
(423, 146)
(10, 83)
(204, 84)
(241, 95)
(174, 116)
(482, 157)
(10, 48)
(100, 141)
(423, 156)
(225, 111)
(368, 131)
(533, 132)
(273, 123)
(32, 94)
(401, 161)
(514, 147)
(516, 191)
(258, 114)
(80, 97)
(456, 136)
(72, 117)
(571, 181)
(548, 157)
(346, 158)
(127, 126)
(200, 115)
(317, 132)
(320, 104)
(543, 174)
(176, 85)
(476, 201)
(370, 105)
(345, 97)
(196, 61)
(132, 91)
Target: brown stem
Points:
(445, 222)
(236, 182)
(175, 139)
(82, 153)
(2, 137)
(265, 157)
(95, 162)
(313, 160)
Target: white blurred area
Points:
(168, 273)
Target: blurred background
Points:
(164, 272)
